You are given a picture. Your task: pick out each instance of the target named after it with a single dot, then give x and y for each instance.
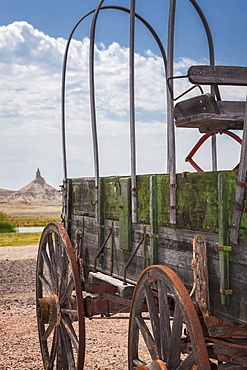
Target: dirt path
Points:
(106, 340)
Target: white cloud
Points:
(30, 89)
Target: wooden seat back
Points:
(218, 75)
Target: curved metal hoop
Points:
(113, 7)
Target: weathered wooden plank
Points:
(112, 191)
(101, 215)
(125, 219)
(83, 196)
(206, 122)
(153, 220)
(235, 108)
(70, 199)
(239, 197)
(143, 199)
(197, 200)
(224, 257)
(124, 290)
(204, 103)
(218, 75)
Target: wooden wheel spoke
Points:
(50, 270)
(188, 362)
(52, 257)
(68, 350)
(153, 313)
(68, 311)
(68, 291)
(45, 283)
(58, 247)
(71, 331)
(148, 339)
(47, 333)
(175, 340)
(62, 361)
(65, 280)
(165, 328)
(138, 362)
(53, 350)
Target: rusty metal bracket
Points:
(238, 208)
(79, 252)
(200, 286)
(134, 253)
(153, 236)
(173, 185)
(225, 248)
(226, 291)
(103, 246)
(173, 207)
(241, 184)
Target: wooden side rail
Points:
(218, 75)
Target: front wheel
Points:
(164, 329)
(59, 302)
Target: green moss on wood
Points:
(197, 199)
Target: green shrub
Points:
(2, 215)
(6, 227)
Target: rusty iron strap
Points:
(102, 247)
(132, 256)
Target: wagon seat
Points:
(208, 112)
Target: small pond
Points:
(30, 229)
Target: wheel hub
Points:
(155, 365)
(48, 310)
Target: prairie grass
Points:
(31, 221)
(18, 239)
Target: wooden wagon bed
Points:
(200, 201)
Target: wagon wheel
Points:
(60, 312)
(157, 340)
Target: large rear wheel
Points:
(60, 312)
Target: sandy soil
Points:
(106, 339)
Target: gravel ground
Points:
(106, 340)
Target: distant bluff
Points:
(37, 191)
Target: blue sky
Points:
(32, 41)
(227, 19)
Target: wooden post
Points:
(125, 224)
(241, 185)
(69, 207)
(171, 156)
(224, 249)
(132, 112)
(153, 221)
(100, 219)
